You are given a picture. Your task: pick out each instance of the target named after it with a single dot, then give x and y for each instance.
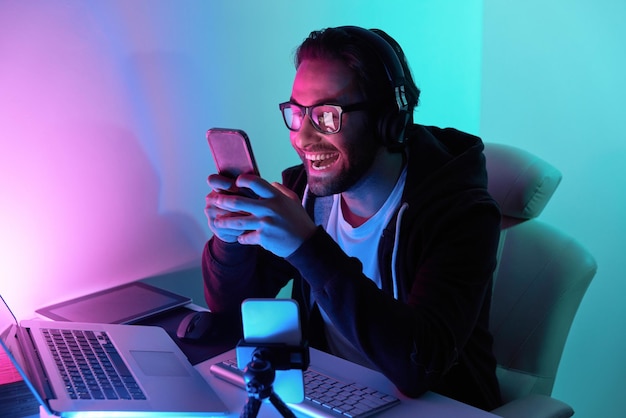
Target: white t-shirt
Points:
(360, 242)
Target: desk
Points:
(203, 356)
(429, 405)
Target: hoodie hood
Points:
(443, 162)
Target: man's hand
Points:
(219, 185)
(276, 220)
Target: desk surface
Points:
(426, 406)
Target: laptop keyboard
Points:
(91, 366)
(323, 395)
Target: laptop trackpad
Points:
(159, 363)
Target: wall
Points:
(553, 82)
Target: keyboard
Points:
(324, 396)
(91, 366)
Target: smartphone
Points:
(233, 155)
(232, 152)
(273, 321)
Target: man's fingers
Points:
(286, 191)
(258, 185)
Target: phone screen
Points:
(233, 156)
(232, 152)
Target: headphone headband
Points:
(389, 58)
(392, 125)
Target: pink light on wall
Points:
(79, 206)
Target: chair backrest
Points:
(541, 278)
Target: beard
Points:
(360, 157)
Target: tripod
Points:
(259, 378)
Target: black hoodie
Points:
(428, 327)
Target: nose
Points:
(306, 136)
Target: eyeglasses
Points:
(326, 118)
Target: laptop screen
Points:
(8, 373)
(7, 321)
(10, 349)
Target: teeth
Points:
(318, 161)
(319, 157)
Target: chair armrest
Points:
(536, 406)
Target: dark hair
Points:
(360, 56)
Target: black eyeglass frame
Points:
(308, 112)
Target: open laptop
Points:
(153, 378)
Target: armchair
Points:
(541, 278)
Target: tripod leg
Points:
(251, 408)
(281, 406)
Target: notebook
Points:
(131, 370)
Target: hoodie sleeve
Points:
(233, 272)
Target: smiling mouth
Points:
(322, 161)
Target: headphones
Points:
(391, 125)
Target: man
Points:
(386, 228)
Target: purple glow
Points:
(80, 205)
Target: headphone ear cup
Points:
(391, 127)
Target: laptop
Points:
(127, 370)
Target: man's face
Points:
(336, 162)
